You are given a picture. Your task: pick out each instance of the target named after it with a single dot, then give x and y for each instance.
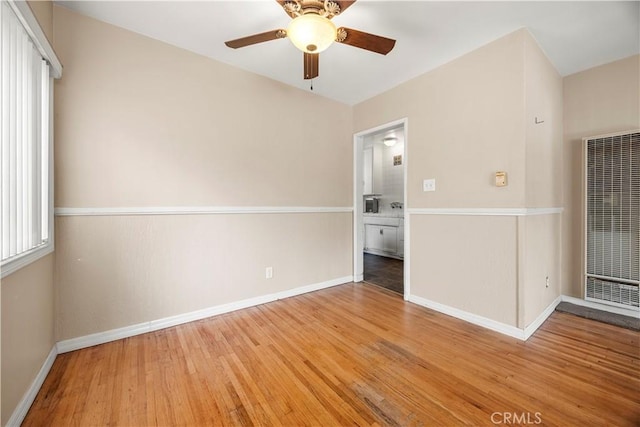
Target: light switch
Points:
(501, 179)
(429, 185)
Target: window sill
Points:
(26, 259)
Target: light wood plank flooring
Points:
(354, 354)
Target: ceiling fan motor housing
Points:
(326, 8)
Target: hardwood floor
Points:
(352, 354)
(385, 272)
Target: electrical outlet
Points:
(268, 273)
(547, 282)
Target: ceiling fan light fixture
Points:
(311, 33)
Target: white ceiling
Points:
(576, 35)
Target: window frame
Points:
(29, 22)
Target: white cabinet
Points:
(389, 239)
(381, 238)
(372, 237)
(384, 235)
(372, 170)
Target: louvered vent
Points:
(612, 292)
(613, 219)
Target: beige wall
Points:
(543, 101)
(123, 270)
(43, 11)
(466, 262)
(468, 119)
(27, 329)
(465, 123)
(600, 100)
(539, 246)
(143, 123)
(140, 123)
(27, 304)
(539, 235)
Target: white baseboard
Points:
(25, 403)
(603, 307)
(493, 325)
(167, 322)
(533, 326)
(312, 288)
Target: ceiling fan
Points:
(312, 31)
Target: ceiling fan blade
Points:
(371, 42)
(311, 62)
(256, 38)
(344, 4)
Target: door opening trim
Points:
(358, 218)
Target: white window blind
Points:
(613, 219)
(24, 135)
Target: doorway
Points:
(381, 244)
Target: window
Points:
(26, 223)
